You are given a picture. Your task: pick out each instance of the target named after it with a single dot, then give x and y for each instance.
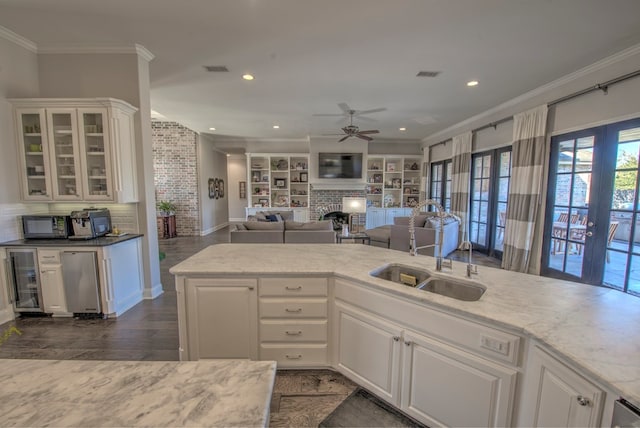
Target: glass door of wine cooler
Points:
(24, 281)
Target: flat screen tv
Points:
(339, 165)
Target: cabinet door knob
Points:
(250, 287)
(396, 338)
(293, 310)
(407, 342)
(583, 401)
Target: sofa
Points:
(396, 236)
(427, 232)
(283, 232)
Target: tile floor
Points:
(149, 331)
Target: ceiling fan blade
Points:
(369, 131)
(331, 135)
(345, 108)
(373, 110)
(367, 119)
(328, 114)
(364, 137)
(343, 138)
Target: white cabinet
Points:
(222, 318)
(76, 149)
(434, 377)
(52, 282)
(381, 216)
(293, 321)
(442, 385)
(369, 351)
(557, 396)
(278, 180)
(393, 181)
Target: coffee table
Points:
(363, 237)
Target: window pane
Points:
(563, 189)
(584, 159)
(486, 184)
(477, 167)
(614, 270)
(627, 156)
(482, 234)
(624, 190)
(476, 189)
(503, 189)
(505, 164)
(634, 275)
(486, 166)
(581, 186)
(565, 156)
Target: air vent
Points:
(427, 73)
(216, 68)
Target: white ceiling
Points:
(310, 55)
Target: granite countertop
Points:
(103, 241)
(132, 393)
(594, 328)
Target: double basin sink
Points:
(421, 279)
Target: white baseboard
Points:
(7, 315)
(154, 292)
(213, 229)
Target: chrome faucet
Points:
(471, 268)
(413, 249)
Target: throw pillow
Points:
(274, 217)
(240, 226)
(264, 225)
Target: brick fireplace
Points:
(320, 198)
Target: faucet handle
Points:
(472, 270)
(448, 263)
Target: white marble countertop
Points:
(75, 393)
(594, 327)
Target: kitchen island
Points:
(587, 328)
(133, 393)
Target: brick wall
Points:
(319, 198)
(175, 173)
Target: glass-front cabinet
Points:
(64, 150)
(95, 148)
(76, 153)
(33, 149)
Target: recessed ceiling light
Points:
(472, 83)
(402, 129)
(212, 129)
(247, 77)
(276, 126)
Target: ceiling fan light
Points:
(402, 129)
(276, 126)
(472, 83)
(247, 76)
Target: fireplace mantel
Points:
(338, 185)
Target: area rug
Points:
(363, 409)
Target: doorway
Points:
(591, 232)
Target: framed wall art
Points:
(221, 188)
(212, 188)
(242, 190)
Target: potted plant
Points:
(166, 208)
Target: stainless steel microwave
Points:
(46, 226)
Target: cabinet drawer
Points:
(291, 287)
(289, 308)
(293, 331)
(291, 356)
(48, 257)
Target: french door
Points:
(592, 226)
(490, 177)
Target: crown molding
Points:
(9, 35)
(137, 49)
(564, 80)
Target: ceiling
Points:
(309, 55)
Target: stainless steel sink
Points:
(422, 279)
(401, 274)
(460, 290)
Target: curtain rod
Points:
(604, 87)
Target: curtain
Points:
(460, 180)
(525, 188)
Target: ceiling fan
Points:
(352, 130)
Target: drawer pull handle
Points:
(293, 333)
(407, 342)
(583, 401)
(293, 357)
(396, 338)
(293, 310)
(299, 287)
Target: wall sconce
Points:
(351, 206)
